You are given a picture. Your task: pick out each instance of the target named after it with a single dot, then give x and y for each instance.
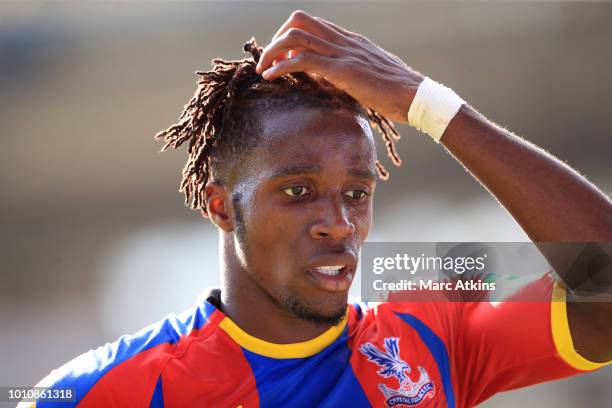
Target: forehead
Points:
(312, 135)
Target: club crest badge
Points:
(410, 393)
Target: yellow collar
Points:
(292, 350)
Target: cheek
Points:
(271, 223)
(362, 219)
(272, 239)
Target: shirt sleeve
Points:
(96, 379)
(515, 343)
(125, 373)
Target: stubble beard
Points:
(302, 309)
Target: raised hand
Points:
(350, 61)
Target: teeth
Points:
(330, 270)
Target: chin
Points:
(328, 311)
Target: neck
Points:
(253, 309)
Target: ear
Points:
(219, 206)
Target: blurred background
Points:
(95, 240)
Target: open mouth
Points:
(333, 278)
(333, 270)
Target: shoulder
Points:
(383, 312)
(431, 323)
(128, 369)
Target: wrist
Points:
(407, 89)
(432, 108)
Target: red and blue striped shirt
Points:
(395, 354)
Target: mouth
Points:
(332, 278)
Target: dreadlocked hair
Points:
(219, 124)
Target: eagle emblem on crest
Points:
(409, 393)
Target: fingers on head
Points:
(297, 37)
(305, 61)
(303, 20)
(297, 40)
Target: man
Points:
(282, 161)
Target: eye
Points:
(296, 191)
(356, 194)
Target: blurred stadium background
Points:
(95, 239)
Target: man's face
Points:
(306, 207)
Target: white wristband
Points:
(433, 107)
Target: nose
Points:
(334, 222)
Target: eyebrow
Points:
(362, 173)
(295, 170)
